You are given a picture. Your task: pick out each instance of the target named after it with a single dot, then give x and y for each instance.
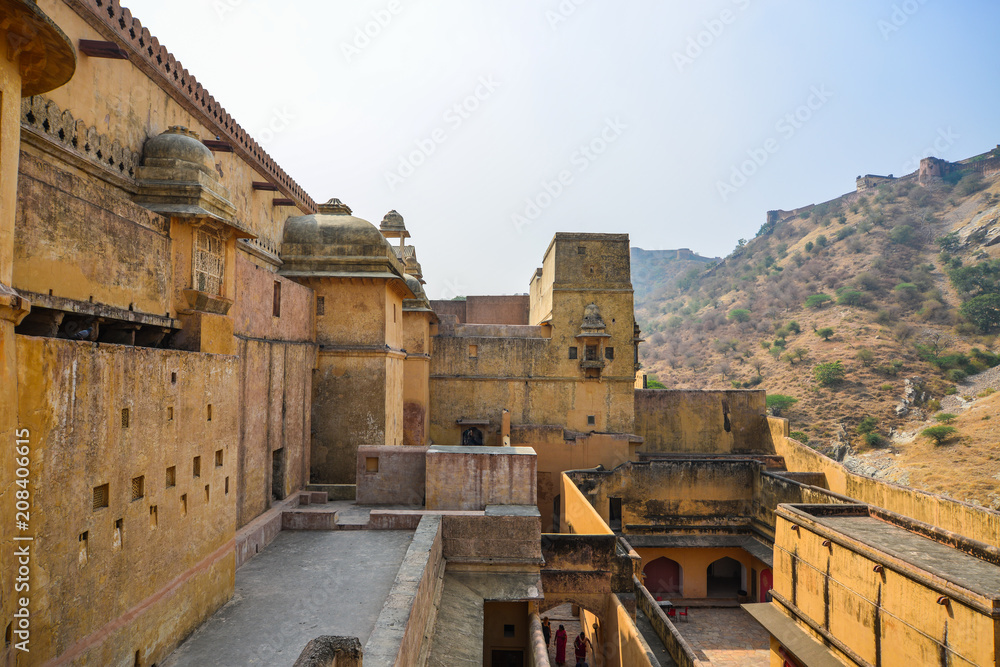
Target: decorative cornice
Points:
(115, 23)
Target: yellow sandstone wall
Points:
(694, 564)
(133, 107)
(972, 521)
(168, 568)
(577, 515)
(416, 378)
(10, 100)
(660, 493)
(358, 384)
(277, 356)
(627, 650)
(703, 422)
(79, 238)
(884, 617)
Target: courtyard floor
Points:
(726, 637)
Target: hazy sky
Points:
(491, 125)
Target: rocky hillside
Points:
(863, 317)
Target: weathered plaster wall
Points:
(358, 385)
(10, 99)
(507, 309)
(705, 422)
(71, 398)
(253, 312)
(348, 407)
(416, 377)
(391, 475)
(660, 494)
(470, 478)
(556, 454)
(971, 521)
(508, 373)
(276, 362)
(884, 617)
(275, 414)
(84, 240)
(491, 539)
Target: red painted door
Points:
(663, 578)
(766, 584)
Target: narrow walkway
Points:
(655, 644)
(305, 584)
(563, 615)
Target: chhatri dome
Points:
(332, 242)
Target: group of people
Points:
(579, 644)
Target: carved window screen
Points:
(209, 263)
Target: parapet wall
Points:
(701, 422)
(391, 475)
(673, 495)
(409, 610)
(977, 523)
(505, 309)
(470, 478)
(576, 514)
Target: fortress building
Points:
(237, 432)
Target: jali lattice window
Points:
(209, 262)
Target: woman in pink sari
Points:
(561, 646)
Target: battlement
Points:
(116, 23)
(871, 181)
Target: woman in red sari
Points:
(561, 646)
(580, 648)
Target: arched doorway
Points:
(725, 578)
(663, 578)
(766, 584)
(472, 437)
